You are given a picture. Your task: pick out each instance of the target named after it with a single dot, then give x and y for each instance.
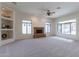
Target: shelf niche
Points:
(8, 33)
(6, 24)
(6, 12)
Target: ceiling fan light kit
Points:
(48, 12)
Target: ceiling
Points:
(38, 8)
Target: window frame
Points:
(49, 24)
(69, 28)
(75, 28)
(58, 29)
(27, 26)
(62, 29)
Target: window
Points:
(59, 28)
(47, 27)
(67, 27)
(26, 27)
(73, 28)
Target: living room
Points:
(39, 29)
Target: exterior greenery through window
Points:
(26, 27)
(67, 27)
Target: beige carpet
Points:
(42, 47)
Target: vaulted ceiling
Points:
(39, 8)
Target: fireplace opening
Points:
(39, 31)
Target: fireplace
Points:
(39, 32)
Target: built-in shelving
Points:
(6, 23)
(6, 18)
(7, 29)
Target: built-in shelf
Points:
(6, 29)
(7, 39)
(6, 23)
(6, 34)
(6, 18)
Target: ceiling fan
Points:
(49, 13)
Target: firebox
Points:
(39, 32)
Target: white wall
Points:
(36, 22)
(18, 26)
(70, 17)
